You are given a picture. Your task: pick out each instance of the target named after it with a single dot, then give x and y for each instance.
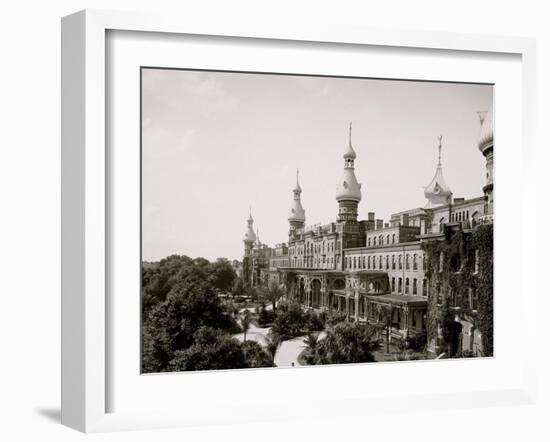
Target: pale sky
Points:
(215, 143)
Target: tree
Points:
(384, 314)
(211, 350)
(272, 294)
(273, 341)
(347, 343)
(245, 323)
(311, 341)
(256, 356)
(223, 274)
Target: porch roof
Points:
(394, 299)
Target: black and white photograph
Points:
(296, 221)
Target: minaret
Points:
(348, 190)
(485, 145)
(437, 192)
(297, 214)
(249, 239)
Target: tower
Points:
(249, 239)
(348, 190)
(297, 214)
(485, 145)
(437, 192)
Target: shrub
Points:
(347, 343)
(265, 317)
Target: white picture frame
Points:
(85, 213)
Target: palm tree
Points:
(245, 324)
(311, 341)
(272, 294)
(273, 341)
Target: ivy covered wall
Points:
(460, 272)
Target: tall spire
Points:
(297, 214)
(249, 236)
(349, 154)
(439, 151)
(437, 192)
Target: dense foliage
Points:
(347, 342)
(186, 324)
(451, 269)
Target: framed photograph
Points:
(319, 215)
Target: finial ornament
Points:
(482, 115)
(439, 150)
(350, 132)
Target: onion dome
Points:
(486, 134)
(437, 192)
(297, 212)
(348, 188)
(249, 235)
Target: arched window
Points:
(400, 285)
(393, 239)
(380, 262)
(374, 240)
(415, 286)
(364, 262)
(387, 262)
(423, 262)
(393, 262)
(393, 284)
(407, 264)
(424, 287)
(387, 239)
(368, 262)
(400, 263)
(381, 240)
(406, 285)
(368, 242)
(415, 263)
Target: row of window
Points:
(381, 262)
(373, 240)
(314, 248)
(408, 288)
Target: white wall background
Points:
(30, 215)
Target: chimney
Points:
(379, 224)
(405, 219)
(371, 216)
(386, 224)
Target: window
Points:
(424, 287)
(393, 262)
(380, 262)
(415, 286)
(368, 262)
(387, 262)
(354, 263)
(368, 242)
(423, 262)
(415, 263)
(364, 263)
(387, 239)
(393, 239)
(400, 262)
(374, 241)
(474, 299)
(393, 284)
(406, 285)
(400, 285)
(456, 263)
(407, 265)
(381, 240)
